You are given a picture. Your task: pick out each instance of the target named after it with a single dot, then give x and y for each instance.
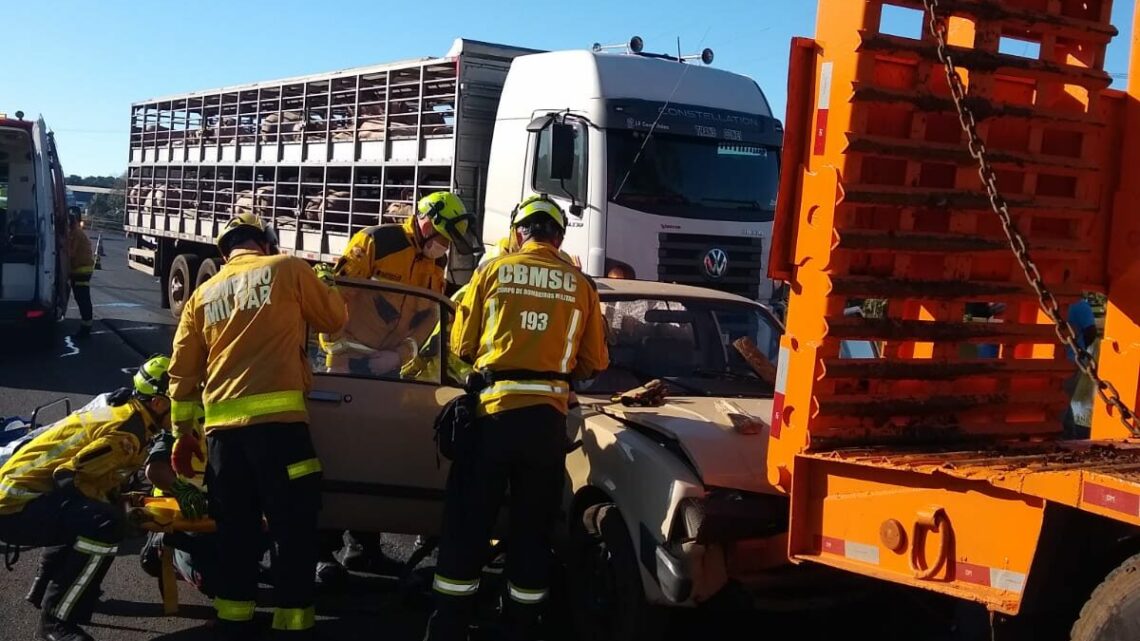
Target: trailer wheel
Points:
(208, 268)
(1112, 613)
(182, 273)
(607, 600)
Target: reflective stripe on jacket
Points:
(530, 310)
(100, 446)
(240, 347)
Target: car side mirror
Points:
(561, 151)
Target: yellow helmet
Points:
(538, 204)
(245, 221)
(450, 219)
(153, 376)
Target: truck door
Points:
(564, 192)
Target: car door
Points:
(373, 429)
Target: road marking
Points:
(71, 345)
(140, 328)
(128, 370)
(117, 305)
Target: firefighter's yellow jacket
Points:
(425, 366)
(382, 321)
(240, 344)
(530, 310)
(79, 247)
(100, 447)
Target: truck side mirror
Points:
(561, 151)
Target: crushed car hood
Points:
(722, 456)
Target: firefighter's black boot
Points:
(53, 629)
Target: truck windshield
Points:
(686, 342)
(692, 177)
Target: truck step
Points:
(871, 240)
(892, 329)
(142, 260)
(984, 61)
(942, 290)
(909, 369)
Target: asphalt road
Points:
(129, 326)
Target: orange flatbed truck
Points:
(931, 466)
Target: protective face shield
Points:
(449, 218)
(271, 240)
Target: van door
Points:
(19, 216)
(372, 417)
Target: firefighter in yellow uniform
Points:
(240, 350)
(385, 330)
(530, 324)
(57, 492)
(82, 268)
(424, 367)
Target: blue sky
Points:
(81, 63)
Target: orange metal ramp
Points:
(934, 465)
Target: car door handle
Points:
(325, 397)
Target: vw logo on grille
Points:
(716, 263)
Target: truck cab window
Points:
(690, 177)
(576, 185)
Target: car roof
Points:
(608, 289)
(617, 288)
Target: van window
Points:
(576, 185)
(19, 236)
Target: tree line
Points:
(105, 182)
(103, 210)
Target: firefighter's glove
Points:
(187, 447)
(324, 272)
(191, 500)
(652, 394)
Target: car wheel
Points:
(208, 268)
(606, 599)
(183, 271)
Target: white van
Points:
(33, 227)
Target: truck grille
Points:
(682, 258)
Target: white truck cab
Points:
(669, 168)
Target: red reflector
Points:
(35, 313)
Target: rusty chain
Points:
(1107, 391)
